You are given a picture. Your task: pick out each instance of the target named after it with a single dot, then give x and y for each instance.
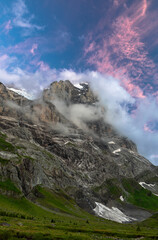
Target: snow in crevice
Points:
(86, 83)
(113, 214)
(95, 147)
(117, 151)
(144, 185)
(111, 142)
(130, 151)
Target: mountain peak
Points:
(66, 91)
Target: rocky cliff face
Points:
(66, 91)
(62, 141)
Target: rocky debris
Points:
(20, 224)
(5, 224)
(132, 211)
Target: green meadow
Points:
(54, 215)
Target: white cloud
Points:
(33, 83)
(7, 78)
(79, 114)
(6, 61)
(23, 18)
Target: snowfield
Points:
(113, 214)
(22, 92)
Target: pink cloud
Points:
(3, 57)
(5, 61)
(40, 64)
(116, 3)
(20, 48)
(121, 52)
(34, 47)
(134, 90)
(8, 26)
(90, 48)
(125, 40)
(144, 8)
(147, 129)
(154, 156)
(43, 66)
(26, 47)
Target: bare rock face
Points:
(8, 99)
(67, 92)
(53, 149)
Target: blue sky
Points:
(107, 36)
(46, 40)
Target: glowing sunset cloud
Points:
(144, 7)
(8, 26)
(134, 90)
(34, 47)
(122, 53)
(147, 129)
(43, 66)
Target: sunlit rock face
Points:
(67, 92)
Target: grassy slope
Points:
(139, 196)
(8, 186)
(130, 190)
(58, 201)
(5, 145)
(30, 221)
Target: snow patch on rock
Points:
(130, 151)
(144, 185)
(86, 83)
(113, 214)
(117, 151)
(122, 198)
(111, 142)
(77, 85)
